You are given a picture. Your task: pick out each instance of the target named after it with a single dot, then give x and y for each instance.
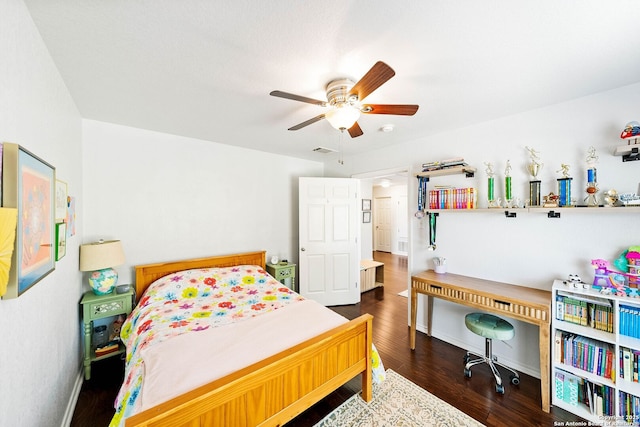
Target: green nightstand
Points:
(282, 272)
(96, 307)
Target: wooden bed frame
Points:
(272, 391)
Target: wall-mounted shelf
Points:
(628, 152)
(550, 212)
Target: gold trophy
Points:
(534, 168)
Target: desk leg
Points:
(429, 314)
(414, 309)
(545, 347)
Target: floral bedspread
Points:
(191, 301)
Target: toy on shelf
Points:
(630, 151)
(550, 201)
(575, 281)
(611, 199)
(629, 262)
(624, 282)
(631, 131)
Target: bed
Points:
(265, 392)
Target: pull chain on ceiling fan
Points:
(344, 100)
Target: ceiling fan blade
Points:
(281, 94)
(399, 109)
(375, 77)
(355, 130)
(307, 123)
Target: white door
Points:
(329, 255)
(383, 221)
(403, 226)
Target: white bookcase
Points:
(577, 369)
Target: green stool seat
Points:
(489, 326)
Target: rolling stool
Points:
(490, 327)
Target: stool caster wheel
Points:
(499, 389)
(467, 373)
(514, 380)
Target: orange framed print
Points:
(28, 184)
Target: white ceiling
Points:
(204, 68)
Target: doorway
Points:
(389, 228)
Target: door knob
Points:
(302, 249)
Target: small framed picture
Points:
(61, 240)
(366, 204)
(366, 217)
(61, 200)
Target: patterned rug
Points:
(397, 402)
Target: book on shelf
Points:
(559, 385)
(629, 407)
(630, 321)
(452, 198)
(629, 364)
(443, 164)
(587, 354)
(584, 313)
(110, 347)
(575, 390)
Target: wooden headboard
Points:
(149, 273)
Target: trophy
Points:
(490, 186)
(592, 178)
(534, 185)
(507, 186)
(564, 186)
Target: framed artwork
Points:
(61, 240)
(8, 221)
(366, 204)
(366, 217)
(28, 184)
(61, 200)
(71, 216)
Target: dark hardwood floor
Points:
(434, 365)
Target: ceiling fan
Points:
(344, 99)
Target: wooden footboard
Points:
(277, 389)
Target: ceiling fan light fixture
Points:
(343, 116)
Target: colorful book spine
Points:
(629, 364)
(629, 321)
(452, 198)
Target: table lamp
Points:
(99, 258)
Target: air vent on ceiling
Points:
(324, 150)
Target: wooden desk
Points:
(518, 302)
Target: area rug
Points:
(404, 293)
(397, 402)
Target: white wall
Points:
(366, 228)
(531, 249)
(169, 197)
(40, 353)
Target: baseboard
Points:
(533, 371)
(73, 399)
